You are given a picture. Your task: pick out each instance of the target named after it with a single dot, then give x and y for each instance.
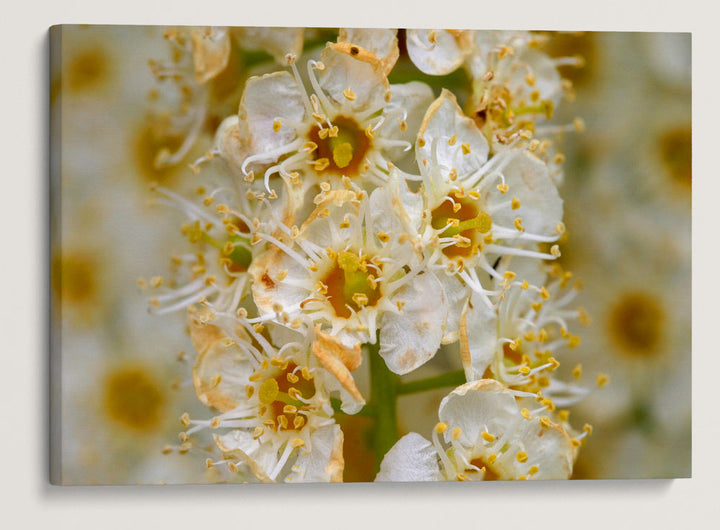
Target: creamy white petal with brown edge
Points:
(478, 338)
(528, 180)
(410, 338)
(350, 67)
(457, 294)
(411, 459)
(241, 445)
(211, 51)
(450, 139)
(272, 105)
(231, 141)
(437, 51)
(381, 42)
(221, 368)
(332, 355)
(321, 460)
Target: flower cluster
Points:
(345, 220)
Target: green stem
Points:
(453, 379)
(383, 398)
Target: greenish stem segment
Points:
(450, 379)
(383, 399)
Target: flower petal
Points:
(322, 460)
(350, 67)
(528, 180)
(478, 338)
(437, 52)
(211, 51)
(411, 459)
(219, 366)
(412, 337)
(443, 123)
(381, 42)
(269, 100)
(278, 42)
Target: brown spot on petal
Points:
(87, 70)
(675, 147)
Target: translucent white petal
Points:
(478, 338)
(444, 55)
(450, 138)
(269, 99)
(411, 338)
(541, 207)
(411, 459)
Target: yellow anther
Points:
(309, 147)
(575, 442)
(509, 275)
(588, 429)
(277, 125)
(282, 421)
(441, 427)
(515, 203)
(573, 341)
(292, 378)
(460, 477)
(298, 422)
(185, 419)
(518, 224)
(232, 466)
(525, 285)
(333, 131)
(349, 94)
(382, 236)
(456, 433)
(602, 380)
(156, 281)
(524, 370)
(545, 422)
(488, 437)
(215, 422)
(465, 148)
(533, 470)
(544, 294)
(453, 175)
(548, 403)
(400, 304)
(167, 450)
(521, 457)
(297, 442)
(452, 140)
(360, 299)
(563, 415)
(289, 409)
(209, 463)
(306, 373)
(543, 382)
(421, 142)
(184, 448)
(321, 164)
(525, 413)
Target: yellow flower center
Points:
(351, 283)
(467, 221)
(279, 393)
(341, 151)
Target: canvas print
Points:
(355, 255)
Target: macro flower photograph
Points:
(286, 254)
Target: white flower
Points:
(353, 278)
(351, 124)
(487, 434)
(475, 210)
(274, 403)
(518, 341)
